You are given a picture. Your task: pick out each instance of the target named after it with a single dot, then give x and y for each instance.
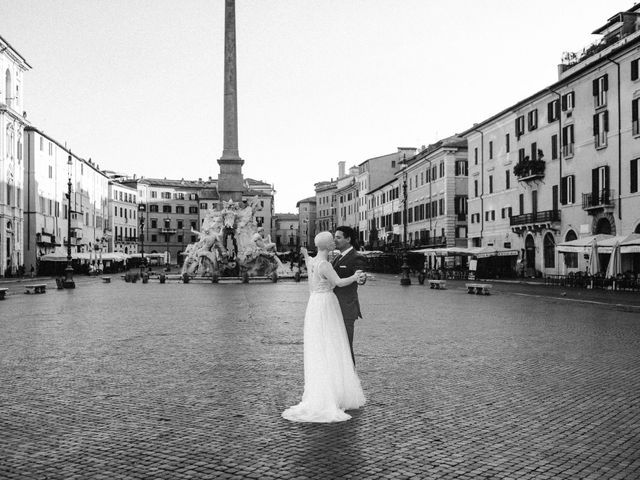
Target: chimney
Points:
(134, 176)
(341, 166)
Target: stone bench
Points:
(438, 284)
(3, 292)
(37, 288)
(478, 288)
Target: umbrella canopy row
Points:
(479, 252)
(604, 244)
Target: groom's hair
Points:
(349, 233)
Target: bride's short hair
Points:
(322, 240)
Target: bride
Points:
(331, 384)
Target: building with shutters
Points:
(563, 163)
(307, 220)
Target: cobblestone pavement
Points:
(181, 381)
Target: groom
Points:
(345, 264)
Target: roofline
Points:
(394, 179)
(66, 149)
(15, 51)
(550, 88)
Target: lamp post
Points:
(167, 225)
(68, 272)
(405, 280)
(141, 209)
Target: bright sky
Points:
(137, 85)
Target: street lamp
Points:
(405, 280)
(167, 225)
(141, 209)
(68, 279)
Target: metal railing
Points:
(602, 198)
(537, 217)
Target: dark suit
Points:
(345, 266)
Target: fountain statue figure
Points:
(230, 244)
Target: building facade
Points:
(326, 206)
(287, 227)
(307, 220)
(563, 163)
(122, 227)
(13, 68)
(49, 166)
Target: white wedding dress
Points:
(331, 384)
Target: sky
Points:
(137, 85)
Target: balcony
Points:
(529, 170)
(535, 222)
(604, 199)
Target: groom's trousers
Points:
(350, 324)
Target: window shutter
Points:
(550, 112)
(563, 191)
(634, 175)
(554, 146)
(572, 95)
(517, 131)
(595, 124)
(595, 87)
(606, 178)
(634, 69)
(606, 82)
(606, 120)
(573, 189)
(594, 183)
(634, 109)
(564, 103)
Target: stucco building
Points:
(307, 220)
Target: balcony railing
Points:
(601, 199)
(168, 231)
(537, 217)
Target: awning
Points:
(583, 244)
(628, 244)
(62, 257)
(479, 252)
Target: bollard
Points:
(274, 277)
(215, 278)
(296, 276)
(245, 277)
(163, 278)
(145, 278)
(185, 278)
(421, 278)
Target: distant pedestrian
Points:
(32, 271)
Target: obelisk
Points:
(230, 181)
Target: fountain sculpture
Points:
(231, 244)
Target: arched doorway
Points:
(530, 255)
(549, 246)
(603, 226)
(570, 259)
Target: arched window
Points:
(603, 226)
(549, 251)
(571, 259)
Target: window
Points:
(441, 169)
(519, 126)
(461, 168)
(600, 185)
(179, 209)
(193, 209)
(553, 111)
(634, 69)
(41, 144)
(180, 225)
(521, 203)
(154, 238)
(567, 190)
(521, 154)
(554, 147)
(166, 195)
(549, 247)
(441, 206)
(600, 87)
(534, 151)
(634, 176)
(490, 183)
(490, 150)
(567, 141)
(50, 171)
(507, 179)
(166, 209)
(475, 188)
(153, 208)
(203, 206)
(568, 101)
(532, 119)
(634, 116)
(154, 194)
(475, 155)
(507, 142)
(600, 128)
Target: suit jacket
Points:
(345, 266)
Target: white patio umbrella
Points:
(614, 267)
(594, 261)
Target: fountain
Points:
(231, 244)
